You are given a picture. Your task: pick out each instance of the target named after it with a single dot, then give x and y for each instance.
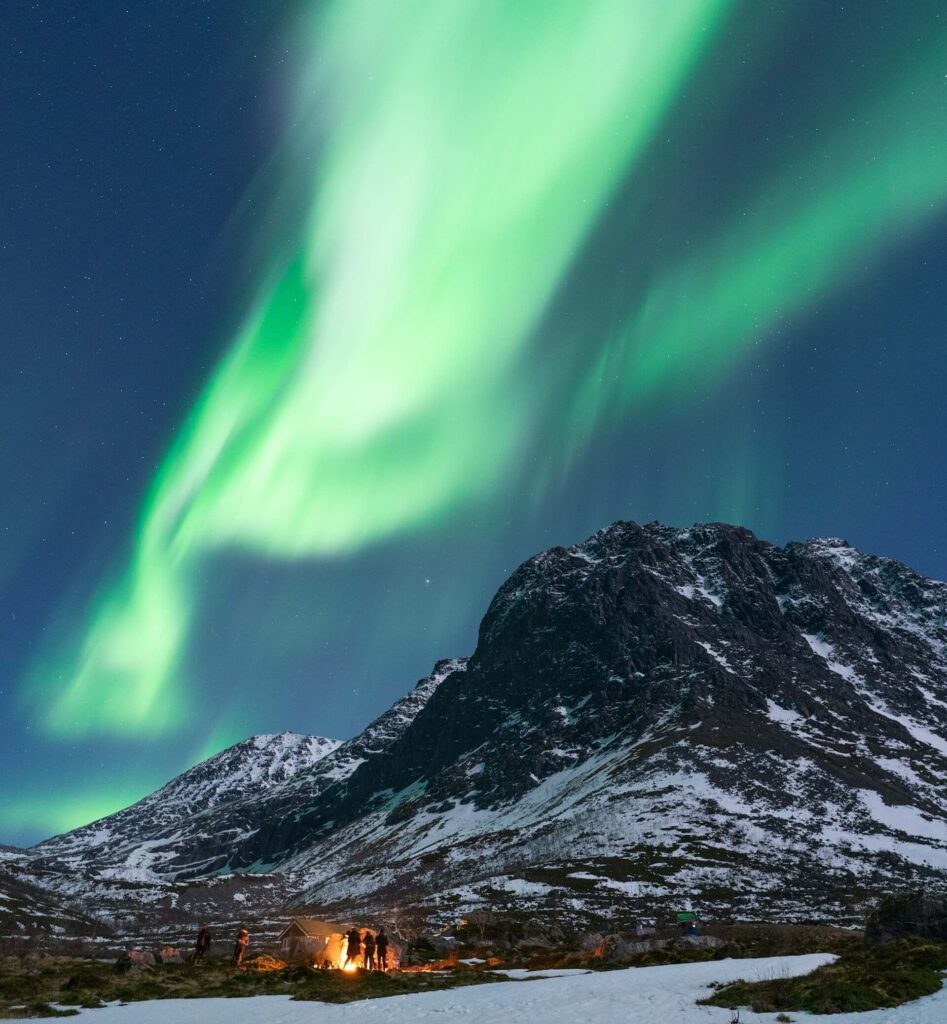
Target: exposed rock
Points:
(909, 913)
(652, 715)
(697, 942)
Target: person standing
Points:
(381, 950)
(368, 944)
(240, 947)
(202, 946)
(353, 947)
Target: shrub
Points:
(865, 979)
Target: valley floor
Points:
(643, 995)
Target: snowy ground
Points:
(644, 995)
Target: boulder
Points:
(590, 940)
(442, 943)
(697, 942)
(625, 949)
(908, 913)
(480, 919)
(617, 947)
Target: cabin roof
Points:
(313, 928)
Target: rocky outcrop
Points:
(909, 913)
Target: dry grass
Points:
(871, 978)
(29, 987)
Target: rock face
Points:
(652, 717)
(655, 715)
(911, 913)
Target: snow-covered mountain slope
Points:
(657, 715)
(651, 717)
(29, 911)
(200, 822)
(134, 841)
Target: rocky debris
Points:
(908, 913)
(618, 948)
(697, 942)
(484, 928)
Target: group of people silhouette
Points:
(371, 949)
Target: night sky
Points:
(316, 320)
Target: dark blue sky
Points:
(138, 172)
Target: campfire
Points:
(323, 944)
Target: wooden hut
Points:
(311, 938)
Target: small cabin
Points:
(308, 937)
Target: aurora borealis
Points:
(501, 274)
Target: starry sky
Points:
(318, 318)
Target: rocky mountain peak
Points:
(650, 712)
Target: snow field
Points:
(643, 995)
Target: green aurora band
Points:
(376, 385)
(863, 189)
(381, 380)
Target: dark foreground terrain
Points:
(53, 986)
(48, 985)
(861, 979)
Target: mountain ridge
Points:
(652, 715)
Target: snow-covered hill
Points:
(136, 842)
(651, 717)
(201, 821)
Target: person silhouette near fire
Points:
(353, 948)
(202, 946)
(240, 947)
(381, 950)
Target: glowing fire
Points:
(350, 966)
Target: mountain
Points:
(137, 842)
(207, 819)
(652, 718)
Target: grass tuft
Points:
(873, 978)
